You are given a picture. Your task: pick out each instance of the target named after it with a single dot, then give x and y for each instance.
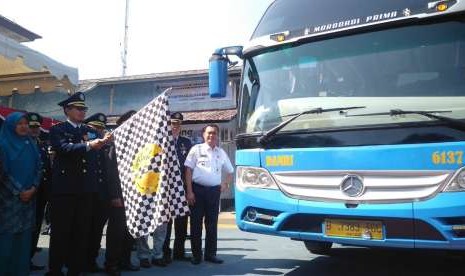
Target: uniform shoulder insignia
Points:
(59, 125)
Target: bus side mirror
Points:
(218, 76)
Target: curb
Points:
(227, 218)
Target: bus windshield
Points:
(418, 67)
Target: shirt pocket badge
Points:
(203, 162)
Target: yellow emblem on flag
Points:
(146, 180)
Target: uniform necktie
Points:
(79, 129)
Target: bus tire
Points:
(318, 247)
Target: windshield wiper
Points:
(267, 135)
(451, 122)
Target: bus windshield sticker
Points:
(377, 17)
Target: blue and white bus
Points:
(352, 123)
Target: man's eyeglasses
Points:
(81, 108)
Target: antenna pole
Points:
(125, 49)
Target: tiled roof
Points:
(209, 115)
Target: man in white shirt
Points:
(205, 164)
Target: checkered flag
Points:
(149, 169)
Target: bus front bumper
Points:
(437, 223)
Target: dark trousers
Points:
(41, 202)
(47, 213)
(69, 239)
(99, 218)
(207, 204)
(14, 250)
(180, 233)
(119, 241)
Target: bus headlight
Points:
(253, 177)
(457, 183)
(461, 179)
(250, 177)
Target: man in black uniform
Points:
(71, 195)
(183, 145)
(100, 203)
(35, 122)
(119, 241)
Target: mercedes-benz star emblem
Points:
(352, 185)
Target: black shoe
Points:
(130, 267)
(49, 273)
(181, 258)
(94, 268)
(196, 261)
(159, 262)
(112, 271)
(145, 263)
(214, 260)
(34, 267)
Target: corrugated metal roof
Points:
(16, 31)
(36, 61)
(204, 116)
(86, 85)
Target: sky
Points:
(163, 35)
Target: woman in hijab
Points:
(20, 168)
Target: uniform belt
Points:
(204, 186)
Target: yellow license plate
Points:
(360, 229)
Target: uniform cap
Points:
(98, 120)
(35, 120)
(77, 99)
(177, 117)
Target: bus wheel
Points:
(318, 247)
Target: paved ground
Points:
(226, 221)
(253, 254)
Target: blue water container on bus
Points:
(218, 76)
